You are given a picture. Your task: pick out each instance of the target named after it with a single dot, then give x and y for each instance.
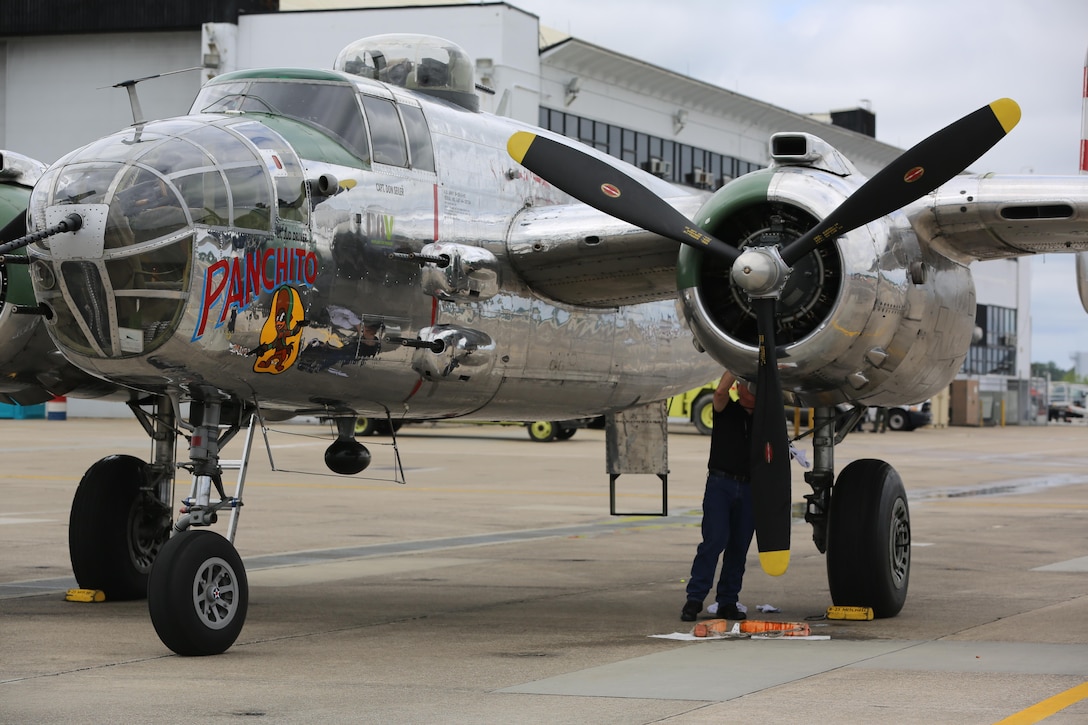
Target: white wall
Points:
(57, 89)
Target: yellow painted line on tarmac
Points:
(1042, 710)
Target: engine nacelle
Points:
(874, 317)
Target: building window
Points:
(675, 162)
(995, 351)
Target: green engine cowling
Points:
(872, 317)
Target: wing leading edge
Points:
(613, 264)
(997, 217)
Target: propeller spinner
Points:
(762, 272)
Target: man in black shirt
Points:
(728, 519)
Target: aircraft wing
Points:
(995, 217)
(968, 219)
(614, 263)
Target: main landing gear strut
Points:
(861, 522)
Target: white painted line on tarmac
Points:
(1074, 565)
(695, 671)
(310, 574)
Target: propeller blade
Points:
(770, 463)
(604, 187)
(15, 228)
(916, 172)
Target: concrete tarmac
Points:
(493, 586)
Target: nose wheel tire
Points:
(198, 594)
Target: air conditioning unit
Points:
(657, 167)
(702, 179)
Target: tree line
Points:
(1055, 373)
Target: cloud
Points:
(1059, 322)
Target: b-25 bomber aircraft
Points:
(363, 241)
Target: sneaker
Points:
(730, 611)
(691, 608)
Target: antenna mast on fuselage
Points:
(134, 101)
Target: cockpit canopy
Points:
(423, 63)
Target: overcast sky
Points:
(919, 64)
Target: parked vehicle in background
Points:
(1068, 401)
(544, 431)
(909, 417)
(376, 426)
(696, 405)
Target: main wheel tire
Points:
(542, 431)
(116, 528)
(702, 413)
(868, 545)
(365, 426)
(563, 433)
(198, 594)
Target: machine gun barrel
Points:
(72, 222)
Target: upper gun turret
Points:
(423, 63)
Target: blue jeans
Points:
(728, 525)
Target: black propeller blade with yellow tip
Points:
(915, 173)
(609, 189)
(770, 454)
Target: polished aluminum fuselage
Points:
(468, 287)
(383, 333)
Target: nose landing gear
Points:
(197, 593)
(197, 590)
